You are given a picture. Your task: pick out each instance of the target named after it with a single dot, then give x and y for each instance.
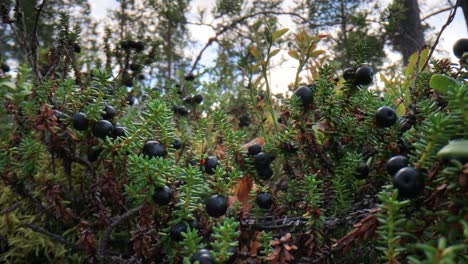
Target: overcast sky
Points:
(284, 74)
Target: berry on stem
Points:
(80, 122)
(153, 149)
(305, 95)
(262, 160)
(76, 48)
(394, 164)
(264, 200)
(364, 75)
(177, 144)
(460, 47)
(385, 116)
(348, 74)
(198, 98)
(119, 131)
(162, 195)
(216, 205)
(176, 231)
(265, 173)
(210, 164)
(362, 171)
(5, 67)
(409, 182)
(109, 112)
(102, 129)
(189, 77)
(203, 256)
(254, 149)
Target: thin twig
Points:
(449, 20)
(105, 237)
(436, 13)
(11, 208)
(54, 237)
(33, 45)
(233, 24)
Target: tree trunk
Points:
(410, 36)
(464, 6)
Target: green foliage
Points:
(71, 197)
(391, 219)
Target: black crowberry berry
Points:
(58, 114)
(5, 67)
(162, 195)
(189, 77)
(385, 116)
(216, 205)
(153, 148)
(102, 129)
(135, 67)
(264, 200)
(348, 74)
(305, 95)
(262, 160)
(396, 163)
(109, 112)
(125, 44)
(80, 122)
(203, 256)
(119, 131)
(198, 98)
(210, 165)
(254, 149)
(130, 100)
(364, 75)
(244, 120)
(93, 154)
(265, 173)
(177, 144)
(76, 48)
(460, 47)
(362, 171)
(138, 46)
(409, 182)
(176, 231)
(180, 110)
(4, 245)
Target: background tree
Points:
(405, 29)
(48, 26)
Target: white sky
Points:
(282, 75)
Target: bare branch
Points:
(449, 20)
(11, 208)
(234, 23)
(55, 237)
(107, 232)
(436, 13)
(34, 41)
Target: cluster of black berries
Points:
(101, 129)
(262, 164)
(262, 161)
(363, 75)
(408, 180)
(137, 46)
